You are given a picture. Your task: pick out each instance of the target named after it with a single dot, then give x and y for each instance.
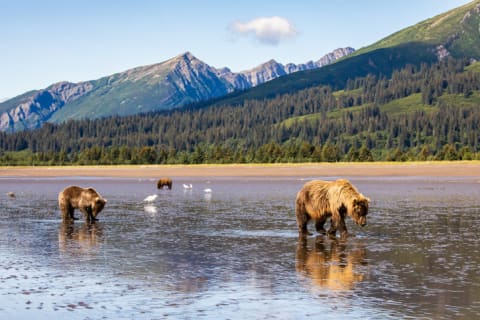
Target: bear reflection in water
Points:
(329, 263)
(79, 238)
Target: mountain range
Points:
(455, 34)
(174, 83)
(185, 80)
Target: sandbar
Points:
(340, 169)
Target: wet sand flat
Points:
(235, 252)
(457, 168)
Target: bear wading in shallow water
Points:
(319, 200)
(162, 182)
(87, 200)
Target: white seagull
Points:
(187, 186)
(208, 190)
(151, 198)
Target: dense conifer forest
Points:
(430, 112)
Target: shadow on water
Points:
(332, 264)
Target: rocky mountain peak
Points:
(264, 72)
(186, 59)
(187, 56)
(333, 56)
(170, 84)
(68, 91)
(32, 111)
(273, 69)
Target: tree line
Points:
(314, 124)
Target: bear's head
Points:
(98, 205)
(360, 210)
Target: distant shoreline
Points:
(436, 168)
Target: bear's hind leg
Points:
(70, 213)
(302, 227)
(67, 212)
(89, 215)
(302, 219)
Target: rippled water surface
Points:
(235, 253)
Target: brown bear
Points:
(320, 200)
(87, 200)
(164, 182)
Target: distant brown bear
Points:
(164, 182)
(320, 200)
(87, 200)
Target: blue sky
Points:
(46, 41)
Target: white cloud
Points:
(267, 30)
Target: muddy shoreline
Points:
(458, 168)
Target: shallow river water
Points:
(235, 253)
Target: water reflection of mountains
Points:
(331, 263)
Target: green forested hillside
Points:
(419, 113)
(380, 62)
(456, 30)
(454, 33)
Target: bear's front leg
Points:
(92, 218)
(89, 217)
(86, 212)
(340, 226)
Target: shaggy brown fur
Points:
(320, 200)
(87, 200)
(164, 182)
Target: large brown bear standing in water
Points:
(87, 200)
(320, 200)
(162, 182)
